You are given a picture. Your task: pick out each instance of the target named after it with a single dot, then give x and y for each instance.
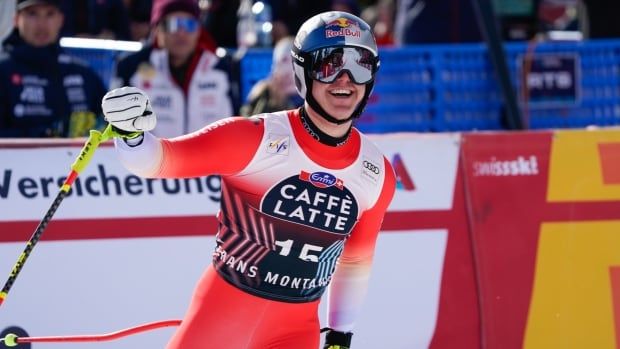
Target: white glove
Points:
(128, 109)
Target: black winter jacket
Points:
(46, 93)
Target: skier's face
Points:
(339, 98)
(178, 33)
(39, 25)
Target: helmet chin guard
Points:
(327, 32)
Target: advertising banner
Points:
(430, 195)
(576, 296)
(121, 203)
(544, 214)
(505, 177)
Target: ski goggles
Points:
(328, 63)
(175, 24)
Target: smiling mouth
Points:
(341, 92)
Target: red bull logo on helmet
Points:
(342, 27)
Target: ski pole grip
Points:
(92, 143)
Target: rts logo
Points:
(403, 180)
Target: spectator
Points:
(103, 19)
(43, 91)
(561, 15)
(189, 85)
(277, 91)
(435, 21)
(381, 17)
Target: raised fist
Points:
(128, 109)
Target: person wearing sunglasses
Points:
(304, 194)
(188, 84)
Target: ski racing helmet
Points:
(328, 45)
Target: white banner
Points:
(30, 179)
(99, 286)
(430, 162)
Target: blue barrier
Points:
(432, 88)
(100, 60)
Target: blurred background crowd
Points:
(190, 50)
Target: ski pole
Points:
(12, 340)
(80, 163)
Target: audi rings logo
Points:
(370, 166)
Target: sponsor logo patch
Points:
(322, 179)
(318, 200)
(370, 170)
(342, 27)
(278, 144)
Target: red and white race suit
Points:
(296, 216)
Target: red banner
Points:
(505, 176)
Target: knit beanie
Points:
(163, 7)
